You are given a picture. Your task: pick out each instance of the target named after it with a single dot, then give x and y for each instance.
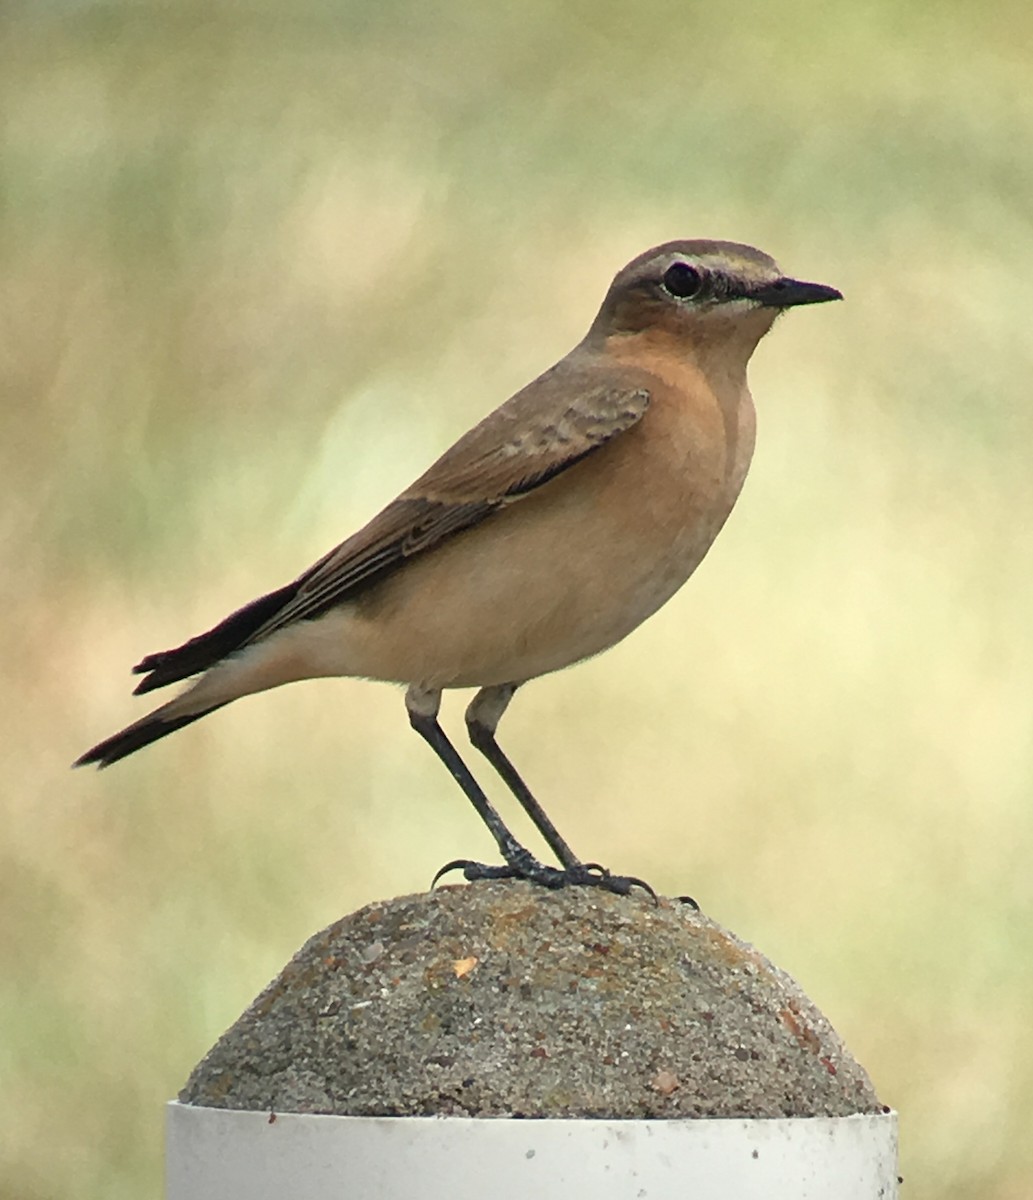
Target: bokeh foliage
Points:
(260, 262)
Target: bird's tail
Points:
(205, 655)
(141, 733)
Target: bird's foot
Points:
(529, 868)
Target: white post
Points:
(220, 1154)
(500, 1042)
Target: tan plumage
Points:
(535, 435)
(544, 535)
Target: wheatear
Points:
(543, 536)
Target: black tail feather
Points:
(203, 651)
(136, 736)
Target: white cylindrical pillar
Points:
(224, 1154)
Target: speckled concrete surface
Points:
(502, 999)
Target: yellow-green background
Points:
(259, 263)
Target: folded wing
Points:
(533, 437)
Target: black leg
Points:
(423, 704)
(482, 718)
(520, 862)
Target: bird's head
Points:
(702, 294)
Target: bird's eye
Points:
(682, 281)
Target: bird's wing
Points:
(550, 425)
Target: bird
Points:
(544, 536)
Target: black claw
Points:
(596, 869)
(528, 868)
(579, 875)
(455, 865)
(474, 870)
(693, 904)
(636, 882)
(621, 884)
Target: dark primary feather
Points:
(135, 737)
(169, 666)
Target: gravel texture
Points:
(503, 999)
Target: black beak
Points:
(786, 293)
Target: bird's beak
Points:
(785, 293)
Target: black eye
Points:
(682, 281)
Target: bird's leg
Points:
(482, 719)
(422, 705)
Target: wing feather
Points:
(546, 428)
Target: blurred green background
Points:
(260, 263)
